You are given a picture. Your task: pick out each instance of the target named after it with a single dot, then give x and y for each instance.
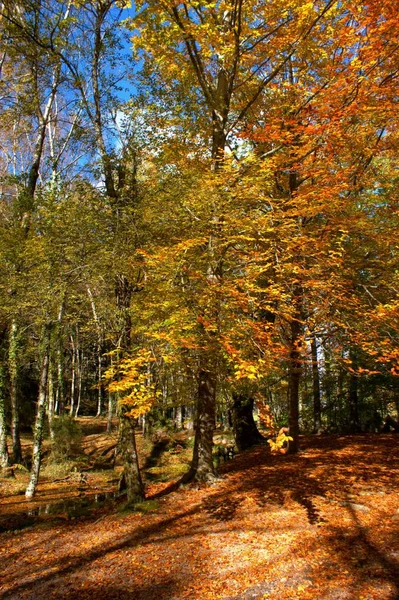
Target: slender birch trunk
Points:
(99, 351)
(13, 357)
(110, 409)
(110, 412)
(99, 384)
(316, 387)
(73, 377)
(59, 397)
(79, 367)
(50, 412)
(40, 414)
(179, 418)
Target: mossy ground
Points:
(90, 464)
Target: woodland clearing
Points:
(320, 524)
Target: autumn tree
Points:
(92, 75)
(30, 102)
(231, 55)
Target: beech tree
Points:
(232, 228)
(231, 55)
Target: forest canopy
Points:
(198, 219)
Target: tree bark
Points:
(246, 433)
(295, 371)
(353, 400)
(99, 351)
(99, 379)
(59, 399)
(73, 377)
(15, 410)
(4, 458)
(396, 400)
(110, 411)
(50, 412)
(131, 478)
(123, 293)
(179, 418)
(40, 414)
(79, 367)
(202, 467)
(316, 387)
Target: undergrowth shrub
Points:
(67, 439)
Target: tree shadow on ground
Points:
(276, 480)
(356, 551)
(272, 481)
(67, 565)
(152, 591)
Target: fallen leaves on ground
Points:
(321, 524)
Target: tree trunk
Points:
(13, 373)
(316, 387)
(99, 379)
(353, 400)
(99, 351)
(40, 414)
(246, 433)
(73, 377)
(396, 400)
(123, 293)
(79, 367)
(179, 418)
(131, 478)
(202, 468)
(4, 458)
(59, 397)
(59, 400)
(110, 411)
(50, 412)
(295, 371)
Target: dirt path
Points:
(323, 524)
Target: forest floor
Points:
(322, 524)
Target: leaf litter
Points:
(321, 524)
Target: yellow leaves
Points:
(247, 370)
(265, 415)
(306, 8)
(191, 243)
(131, 379)
(280, 444)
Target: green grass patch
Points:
(58, 470)
(144, 507)
(148, 506)
(168, 471)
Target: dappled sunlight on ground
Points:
(322, 524)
